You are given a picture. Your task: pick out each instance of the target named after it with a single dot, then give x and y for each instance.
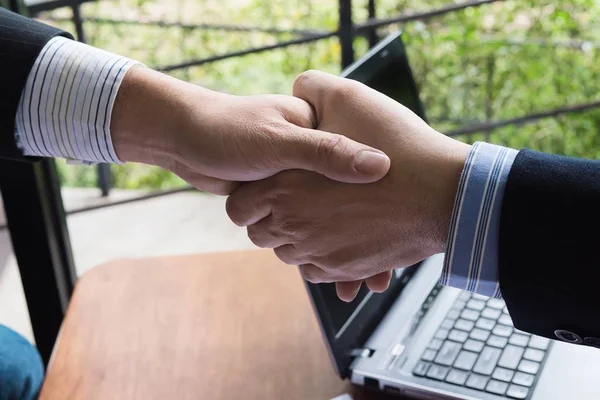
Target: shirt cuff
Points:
(471, 260)
(66, 105)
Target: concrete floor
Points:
(182, 223)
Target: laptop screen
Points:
(347, 325)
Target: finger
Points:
(290, 255)
(314, 274)
(334, 156)
(296, 111)
(347, 291)
(247, 205)
(311, 86)
(262, 235)
(380, 282)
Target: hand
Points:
(212, 140)
(345, 233)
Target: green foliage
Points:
(493, 62)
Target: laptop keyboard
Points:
(477, 347)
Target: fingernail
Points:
(371, 163)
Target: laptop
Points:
(421, 340)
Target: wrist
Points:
(146, 116)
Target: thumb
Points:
(334, 156)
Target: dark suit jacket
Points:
(21, 41)
(549, 245)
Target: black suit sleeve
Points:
(549, 259)
(21, 41)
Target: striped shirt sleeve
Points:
(471, 259)
(66, 104)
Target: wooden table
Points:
(218, 326)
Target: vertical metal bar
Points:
(13, 5)
(346, 32)
(104, 179)
(78, 22)
(40, 240)
(372, 32)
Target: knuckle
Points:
(309, 274)
(303, 77)
(328, 146)
(256, 236)
(234, 210)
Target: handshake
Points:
(338, 178)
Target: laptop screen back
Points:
(347, 325)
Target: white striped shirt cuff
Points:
(66, 104)
(471, 261)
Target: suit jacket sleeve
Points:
(21, 41)
(549, 242)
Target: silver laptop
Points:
(421, 340)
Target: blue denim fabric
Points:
(21, 367)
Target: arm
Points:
(21, 41)
(548, 261)
(88, 105)
(517, 225)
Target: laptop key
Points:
(421, 368)
(496, 303)
(503, 374)
(458, 336)
(459, 304)
(464, 295)
(529, 367)
(435, 344)
(491, 313)
(464, 325)
(518, 339)
(447, 323)
(477, 305)
(538, 342)
(478, 296)
(448, 353)
(497, 341)
(505, 320)
(457, 377)
(523, 379)
(428, 355)
(473, 345)
(442, 334)
(496, 387)
(453, 314)
(487, 360)
(476, 382)
(486, 324)
(479, 334)
(534, 355)
(437, 372)
(465, 360)
(517, 392)
(502, 330)
(510, 357)
(470, 315)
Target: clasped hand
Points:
(346, 233)
(343, 180)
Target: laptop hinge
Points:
(362, 353)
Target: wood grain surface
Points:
(213, 326)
